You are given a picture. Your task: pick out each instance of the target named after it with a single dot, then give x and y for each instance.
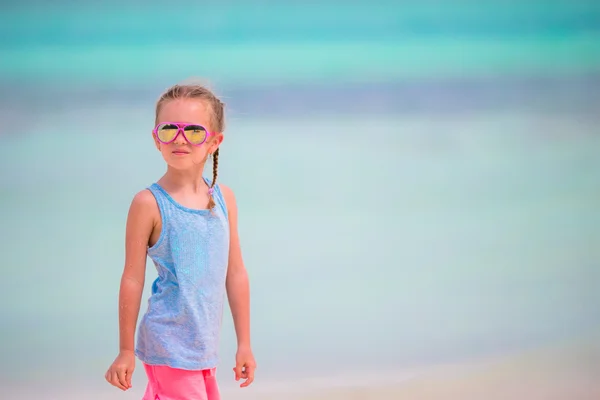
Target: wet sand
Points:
(567, 372)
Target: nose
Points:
(180, 138)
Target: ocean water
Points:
(421, 242)
(434, 200)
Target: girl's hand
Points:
(119, 373)
(244, 366)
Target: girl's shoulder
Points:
(144, 207)
(145, 200)
(226, 192)
(222, 189)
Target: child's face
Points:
(179, 153)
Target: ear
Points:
(215, 142)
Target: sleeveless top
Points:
(181, 326)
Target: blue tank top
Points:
(182, 324)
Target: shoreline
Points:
(564, 371)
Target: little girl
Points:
(187, 224)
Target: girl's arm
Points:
(141, 221)
(238, 294)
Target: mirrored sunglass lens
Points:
(195, 134)
(166, 132)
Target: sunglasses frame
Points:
(181, 130)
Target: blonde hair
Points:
(217, 110)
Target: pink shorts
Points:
(166, 383)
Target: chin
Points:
(180, 164)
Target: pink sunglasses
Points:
(194, 134)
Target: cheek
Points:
(157, 144)
(164, 149)
(199, 153)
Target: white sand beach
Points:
(566, 372)
(570, 372)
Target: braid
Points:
(211, 200)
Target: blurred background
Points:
(418, 181)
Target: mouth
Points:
(180, 152)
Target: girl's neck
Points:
(188, 180)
